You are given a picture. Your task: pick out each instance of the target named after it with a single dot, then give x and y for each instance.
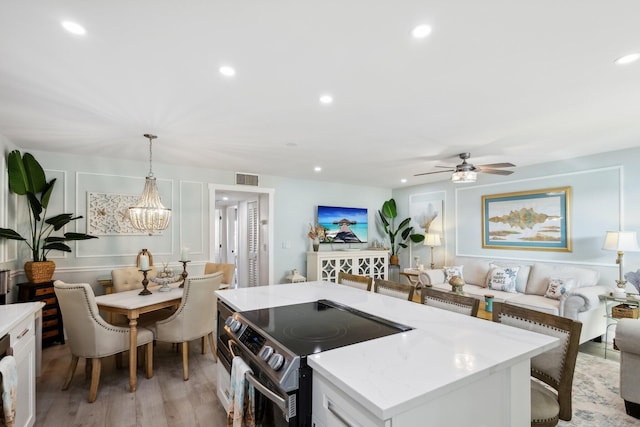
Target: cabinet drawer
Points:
(21, 334)
(44, 291)
(50, 333)
(48, 301)
(50, 323)
(51, 311)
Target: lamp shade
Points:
(431, 239)
(621, 241)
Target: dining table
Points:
(132, 304)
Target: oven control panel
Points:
(264, 350)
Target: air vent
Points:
(246, 179)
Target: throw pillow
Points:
(449, 272)
(503, 279)
(557, 287)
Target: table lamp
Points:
(432, 240)
(621, 241)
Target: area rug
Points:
(596, 395)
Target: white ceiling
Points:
(509, 81)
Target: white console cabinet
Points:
(326, 265)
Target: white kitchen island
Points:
(450, 370)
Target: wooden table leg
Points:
(133, 352)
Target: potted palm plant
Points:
(398, 236)
(27, 178)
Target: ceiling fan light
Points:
(464, 176)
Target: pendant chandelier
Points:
(149, 214)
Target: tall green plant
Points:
(27, 178)
(400, 235)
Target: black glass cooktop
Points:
(313, 327)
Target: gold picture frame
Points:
(528, 220)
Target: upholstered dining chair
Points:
(90, 336)
(355, 281)
(228, 271)
(195, 317)
(450, 301)
(554, 368)
(628, 341)
(393, 289)
(129, 278)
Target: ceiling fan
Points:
(466, 172)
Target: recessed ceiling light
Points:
(74, 28)
(225, 198)
(326, 99)
(421, 31)
(227, 71)
(627, 59)
(317, 169)
(403, 180)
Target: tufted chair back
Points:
(89, 335)
(129, 278)
(554, 367)
(228, 271)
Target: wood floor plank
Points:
(161, 401)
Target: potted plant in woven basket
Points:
(27, 178)
(400, 235)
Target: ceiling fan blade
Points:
(429, 173)
(498, 165)
(495, 171)
(449, 167)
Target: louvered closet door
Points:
(252, 243)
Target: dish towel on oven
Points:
(241, 394)
(9, 385)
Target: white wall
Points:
(185, 190)
(606, 196)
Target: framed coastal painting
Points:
(531, 220)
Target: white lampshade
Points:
(464, 176)
(431, 239)
(621, 241)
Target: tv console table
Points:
(325, 265)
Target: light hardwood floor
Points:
(164, 400)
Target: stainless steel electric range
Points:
(275, 343)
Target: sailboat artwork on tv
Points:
(343, 225)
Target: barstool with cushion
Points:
(554, 367)
(394, 289)
(450, 301)
(195, 318)
(355, 281)
(90, 336)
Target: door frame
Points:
(244, 189)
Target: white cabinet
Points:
(327, 265)
(19, 321)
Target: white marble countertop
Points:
(393, 374)
(12, 314)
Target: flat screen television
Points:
(343, 225)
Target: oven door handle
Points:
(273, 397)
(277, 400)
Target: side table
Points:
(52, 330)
(611, 318)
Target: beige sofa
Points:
(581, 301)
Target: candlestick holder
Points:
(184, 272)
(145, 282)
